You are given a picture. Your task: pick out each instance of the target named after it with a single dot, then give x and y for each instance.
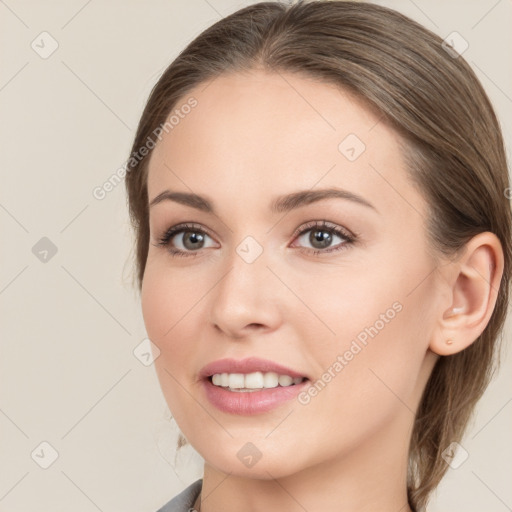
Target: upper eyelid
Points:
(325, 224)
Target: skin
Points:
(252, 137)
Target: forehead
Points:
(266, 133)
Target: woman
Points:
(323, 238)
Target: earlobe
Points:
(476, 279)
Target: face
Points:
(339, 289)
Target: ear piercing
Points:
(449, 341)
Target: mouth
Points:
(251, 367)
(247, 394)
(255, 381)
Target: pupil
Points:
(324, 237)
(194, 238)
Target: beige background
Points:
(69, 325)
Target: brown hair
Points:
(453, 145)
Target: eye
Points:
(191, 239)
(321, 237)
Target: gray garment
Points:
(184, 501)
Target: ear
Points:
(472, 283)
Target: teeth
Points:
(236, 380)
(285, 380)
(253, 381)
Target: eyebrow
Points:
(284, 203)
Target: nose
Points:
(246, 298)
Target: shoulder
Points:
(183, 501)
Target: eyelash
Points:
(349, 237)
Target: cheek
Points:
(169, 320)
(166, 309)
(379, 326)
(155, 308)
(166, 298)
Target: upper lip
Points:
(248, 365)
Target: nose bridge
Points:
(245, 294)
(246, 273)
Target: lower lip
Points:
(251, 402)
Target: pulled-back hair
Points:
(452, 143)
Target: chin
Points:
(246, 461)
